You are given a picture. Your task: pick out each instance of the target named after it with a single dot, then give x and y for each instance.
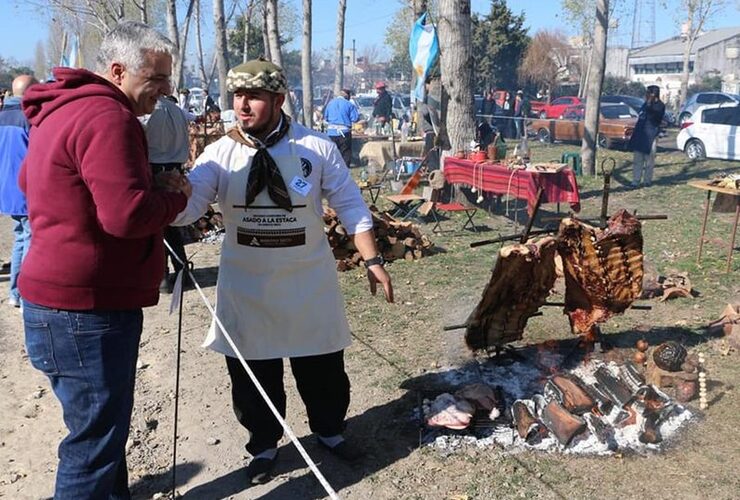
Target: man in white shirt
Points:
(277, 293)
(168, 140)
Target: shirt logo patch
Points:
(306, 167)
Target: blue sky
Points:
(366, 21)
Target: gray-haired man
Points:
(96, 260)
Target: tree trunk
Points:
(204, 79)
(456, 61)
(222, 52)
(265, 35)
(179, 77)
(593, 90)
(306, 66)
(173, 33)
(339, 68)
(274, 38)
(247, 27)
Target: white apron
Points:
(277, 293)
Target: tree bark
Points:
(306, 66)
(222, 54)
(688, 42)
(593, 90)
(179, 77)
(271, 13)
(173, 33)
(204, 79)
(339, 57)
(247, 26)
(265, 35)
(456, 61)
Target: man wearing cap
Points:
(644, 138)
(277, 293)
(340, 114)
(382, 107)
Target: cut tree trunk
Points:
(593, 91)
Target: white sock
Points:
(268, 454)
(332, 441)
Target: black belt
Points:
(165, 167)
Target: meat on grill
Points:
(602, 267)
(450, 412)
(521, 280)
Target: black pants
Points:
(322, 384)
(345, 146)
(173, 237)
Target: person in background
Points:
(643, 142)
(183, 100)
(430, 122)
(168, 138)
(277, 292)
(382, 108)
(96, 259)
(14, 129)
(522, 110)
(340, 114)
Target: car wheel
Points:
(695, 150)
(543, 135)
(603, 141)
(684, 117)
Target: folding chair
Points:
(452, 206)
(406, 203)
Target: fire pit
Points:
(596, 407)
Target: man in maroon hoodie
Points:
(97, 217)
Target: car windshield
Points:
(365, 101)
(616, 111)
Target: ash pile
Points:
(597, 408)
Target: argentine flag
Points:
(424, 50)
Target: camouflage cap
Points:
(257, 74)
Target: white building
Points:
(714, 52)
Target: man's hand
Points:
(377, 274)
(173, 182)
(185, 187)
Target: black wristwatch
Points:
(378, 260)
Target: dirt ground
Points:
(395, 346)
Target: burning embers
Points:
(603, 276)
(596, 408)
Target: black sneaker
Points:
(344, 451)
(259, 470)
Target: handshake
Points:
(173, 181)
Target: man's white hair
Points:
(127, 44)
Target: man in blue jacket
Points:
(644, 138)
(14, 129)
(340, 114)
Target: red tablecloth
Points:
(499, 179)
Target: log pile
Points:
(395, 240)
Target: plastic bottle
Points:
(405, 131)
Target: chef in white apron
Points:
(277, 293)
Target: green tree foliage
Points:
(9, 69)
(621, 86)
(707, 83)
(499, 42)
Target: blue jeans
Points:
(22, 232)
(90, 359)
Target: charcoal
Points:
(602, 431)
(650, 430)
(631, 375)
(563, 424)
(603, 403)
(618, 391)
(569, 393)
(529, 428)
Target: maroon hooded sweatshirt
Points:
(96, 218)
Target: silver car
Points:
(702, 99)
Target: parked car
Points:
(616, 124)
(633, 102)
(711, 132)
(557, 107)
(702, 99)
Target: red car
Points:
(557, 107)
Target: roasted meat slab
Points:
(520, 282)
(602, 267)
